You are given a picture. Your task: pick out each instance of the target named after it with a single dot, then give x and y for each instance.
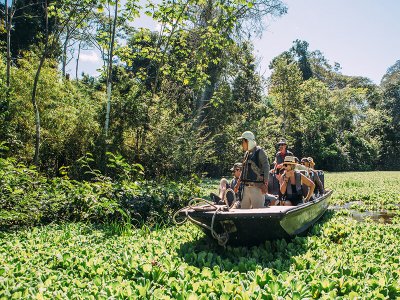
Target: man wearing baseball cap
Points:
(255, 172)
(225, 191)
(281, 154)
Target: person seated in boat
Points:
(291, 184)
(280, 156)
(254, 175)
(277, 171)
(308, 162)
(225, 190)
(271, 200)
(300, 167)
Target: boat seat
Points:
(321, 176)
(273, 184)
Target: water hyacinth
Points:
(339, 258)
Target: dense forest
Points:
(172, 102)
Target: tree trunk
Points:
(109, 71)
(36, 109)
(77, 62)
(64, 55)
(34, 89)
(8, 29)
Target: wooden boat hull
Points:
(254, 226)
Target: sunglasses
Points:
(237, 169)
(285, 165)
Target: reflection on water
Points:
(383, 216)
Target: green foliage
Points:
(69, 127)
(4, 103)
(340, 258)
(336, 119)
(372, 191)
(28, 26)
(284, 88)
(29, 198)
(391, 111)
(180, 96)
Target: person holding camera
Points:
(292, 182)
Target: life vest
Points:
(251, 167)
(299, 188)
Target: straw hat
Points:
(289, 160)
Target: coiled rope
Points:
(198, 204)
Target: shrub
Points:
(29, 198)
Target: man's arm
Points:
(283, 182)
(310, 184)
(264, 164)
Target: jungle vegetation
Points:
(174, 100)
(92, 168)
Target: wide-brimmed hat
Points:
(290, 160)
(282, 142)
(247, 135)
(237, 166)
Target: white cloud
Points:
(91, 56)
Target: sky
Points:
(363, 36)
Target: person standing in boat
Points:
(291, 184)
(255, 172)
(280, 155)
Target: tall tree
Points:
(61, 14)
(391, 107)
(109, 66)
(228, 21)
(284, 88)
(300, 49)
(9, 12)
(28, 25)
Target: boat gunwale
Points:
(270, 211)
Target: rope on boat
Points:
(194, 204)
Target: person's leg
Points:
(257, 200)
(246, 197)
(287, 203)
(222, 188)
(230, 197)
(270, 200)
(215, 198)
